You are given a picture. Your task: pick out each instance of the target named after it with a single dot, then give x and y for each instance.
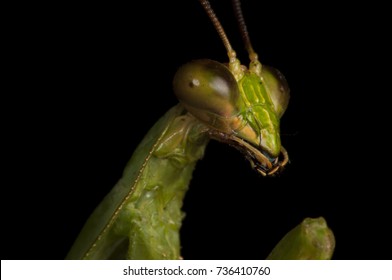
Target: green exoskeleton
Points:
(140, 218)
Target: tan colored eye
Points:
(278, 88)
(208, 91)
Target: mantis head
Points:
(240, 106)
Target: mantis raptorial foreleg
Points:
(141, 216)
(310, 240)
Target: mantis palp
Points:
(140, 218)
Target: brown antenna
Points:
(218, 26)
(234, 65)
(254, 58)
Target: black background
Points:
(89, 80)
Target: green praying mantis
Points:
(241, 106)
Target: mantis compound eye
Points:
(208, 90)
(278, 88)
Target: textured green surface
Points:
(310, 240)
(258, 112)
(141, 216)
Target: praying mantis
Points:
(240, 106)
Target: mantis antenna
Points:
(255, 65)
(234, 65)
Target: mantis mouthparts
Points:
(262, 163)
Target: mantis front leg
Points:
(141, 216)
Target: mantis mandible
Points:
(241, 106)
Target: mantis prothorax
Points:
(141, 216)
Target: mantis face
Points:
(241, 108)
